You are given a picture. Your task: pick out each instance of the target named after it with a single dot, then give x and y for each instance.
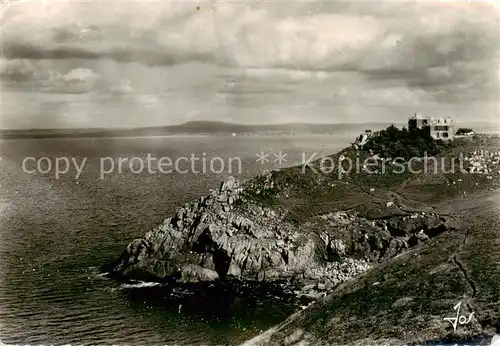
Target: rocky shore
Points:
(214, 239)
(332, 241)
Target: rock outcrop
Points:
(210, 239)
(483, 162)
(225, 236)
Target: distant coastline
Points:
(216, 128)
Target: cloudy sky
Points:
(122, 63)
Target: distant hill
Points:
(197, 128)
(219, 128)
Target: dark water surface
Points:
(55, 233)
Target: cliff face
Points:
(208, 240)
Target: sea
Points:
(67, 207)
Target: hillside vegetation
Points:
(394, 142)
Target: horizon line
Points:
(225, 123)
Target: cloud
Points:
(383, 40)
(78, 80)
(124, 87)
(39, 76)
(249, 35)
(264, 58)
(18, 70)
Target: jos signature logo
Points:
(459, 319)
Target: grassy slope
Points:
(407, 297)
(309, 192)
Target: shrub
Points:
(393, 142)
(464, 130)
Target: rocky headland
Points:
(384, 255)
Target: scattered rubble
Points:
(483, 162)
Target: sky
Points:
(117, 63)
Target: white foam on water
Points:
(141, 284)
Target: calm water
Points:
(55, 233)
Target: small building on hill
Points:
(417, 121)
(439, 128)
